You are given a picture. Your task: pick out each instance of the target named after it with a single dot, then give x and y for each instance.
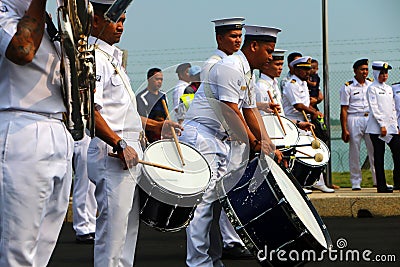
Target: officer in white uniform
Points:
(231, 81)
(35, 147)
(396, 95)
(84, 205)
(296, 98)
(292, 56)
(382, 125)
(354, 115)
(118, 130)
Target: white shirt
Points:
(112, 99)
(295, 92)
(178, 92)
(396, 96)
(34, 87)
(354, 95)
(382, 109)
(265, 84)
(210, 62)
(230, 80)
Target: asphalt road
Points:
(381, 236)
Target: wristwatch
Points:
(120, 146)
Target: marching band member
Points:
(118, 130)
(382, 126)
(34, 183)
(231, 81)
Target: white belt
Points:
(359, 114)
(57, 116)
(134, 136)
(201, 127)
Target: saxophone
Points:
(78, 70)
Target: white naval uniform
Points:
(354, 95)
(203, 130)
(35, 148)
(84, 205)
(265, 84)
(178, 91)
(396, 96)
(383, 114)
(295, 92)
(229, 235)
(116, 192)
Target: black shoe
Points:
(237, 252)
(385, 190)
(84, 239)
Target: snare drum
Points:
(276, 133)
(168, 198)
(306, 170)
(270, 212)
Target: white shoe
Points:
(307, 191)
(323, 188)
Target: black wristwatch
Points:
(120, 146)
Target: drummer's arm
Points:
(163, 127)
(309, 110)
(128, 156)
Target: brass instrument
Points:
(78, 70)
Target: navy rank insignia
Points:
(348, 83)
(293, 81)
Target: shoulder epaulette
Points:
(369, 79)
(293, 81)
(396, 83)
(348, 83)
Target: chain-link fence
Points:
(340, 71)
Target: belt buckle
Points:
(366, 114)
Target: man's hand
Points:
(274, 105)
(305, 125)
(383, 131)
(129, 157)
(346, 136)
(166, 128)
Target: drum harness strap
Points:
(128, 88)
(213, 100)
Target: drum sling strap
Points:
(128, 88)
(213, 100)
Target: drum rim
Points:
(201, 192)
(318, 218)
(296, 222)
(290, 121)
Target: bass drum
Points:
(271, 213)
(307, 170)
(167, 198)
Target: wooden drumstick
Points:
(150, 164)
(178, 147)
(276, 112)
(315, 144)
(304, 153)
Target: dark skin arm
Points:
(26, 41)
(343, 123)
(309, 110)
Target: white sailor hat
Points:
(381, 65)
(194, 70)
(262, 33)
(103, 2)
(301, 62)
(278, 54)
(229, 23)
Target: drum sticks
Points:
(315, 143)
(276, 112)
(151, 164)
(317, 157)
(178, 147)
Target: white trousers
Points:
(198, 232)
(35, 182)
(84, 205)
(356, 126)
(117, 198)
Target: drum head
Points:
(170, 185)
(323, 149)
(276, 133)
(296, 201)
